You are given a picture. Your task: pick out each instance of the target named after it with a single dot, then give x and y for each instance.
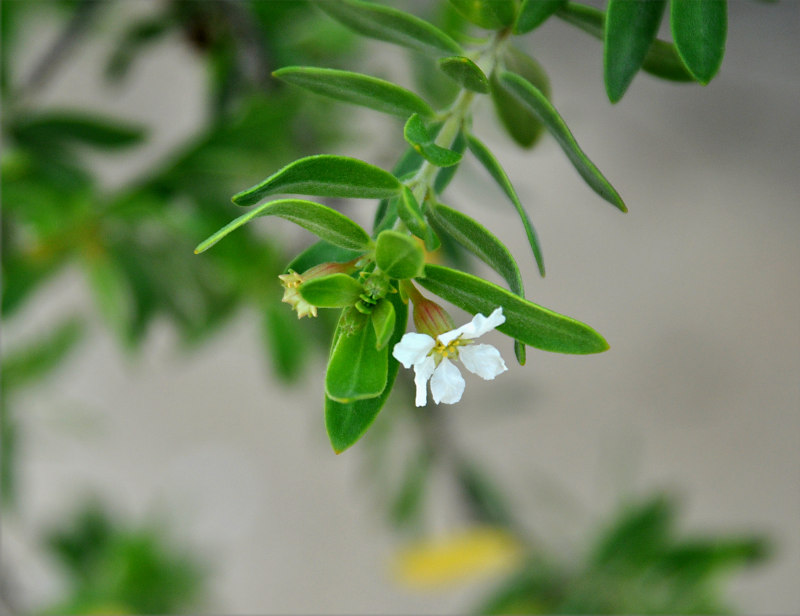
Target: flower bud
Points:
(293, 280)
(430, 318)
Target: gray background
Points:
(696, 289)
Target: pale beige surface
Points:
(697, 290)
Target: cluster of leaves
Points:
(116, 569)
(134, 244)
(638, 564)
(371, 277)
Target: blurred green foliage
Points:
(114, 568)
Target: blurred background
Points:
(163, 444)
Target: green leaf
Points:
(699, 28)
(112, 294)
(383, 321)
(285, 340)
(37, 359)
(662, 59)
(630, 29)
(389, 24)
(347, 422)
(321, 220)
(332, 291)
(465, 73)
(91, 130)
(525, 321)
(538, 103)
(446, 174)
(406, 507)
(491, 164)
(356, 88)
(410, 213)
(357, 369)
(489, 14)
(325, 175)
(519, 121)
(321, 252)
(399, 255)
(420, 139)
(533, 13)
(483, 244)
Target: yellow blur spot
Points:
(473, 553)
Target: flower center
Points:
(446, 351)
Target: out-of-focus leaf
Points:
(133, 41)
(662, 60)
(525, 321)
(285, 341)
(487, 159)
(699, 28)
(356, 88)
(630, 29)
(38, 358)
(485, 501)
(533, 13)
(538, 103)
(465, 73)
(325, 175)
(347, 422)
(389, 24)
(73, 127)
(406, 507)
(522, 125)
(112, 294)
(489, 14)
(322, 221)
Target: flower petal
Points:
(447, 384)
(477, 327)
(483, 360)
(422, 372)
(412, 348)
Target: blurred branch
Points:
(61, 48)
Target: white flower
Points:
(430, 358)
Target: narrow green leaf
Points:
(417, 135)
(398, 255)
(533, 13)
(519, 121)
(630, 29)
(411, 214)
(699, 28)
(465, 73)
(483, 244)
(525, 321)
(332, 291)
(406, 507)
(389, 24)
(489, 14)
(356, 369)
(487, 159)
(40, 357)
(98, 132)
(662, 59)
(446, 174)
(356, 88)
(383, 321)
(321, 220)
(347, 422)
(324, 175)
(537, 101)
